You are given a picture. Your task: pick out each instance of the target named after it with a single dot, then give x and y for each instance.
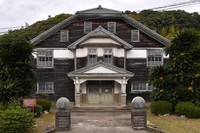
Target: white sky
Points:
(16, 12)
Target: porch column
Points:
(77, 92)
(123, 92)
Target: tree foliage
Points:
(179, 79)
(16, 69)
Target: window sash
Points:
(64, 35)
(141, 87)
(154, 58)
(87, 26)
(45, 87)
(135, 36)
(45, 58)
(112, 27)
(108, 58)
(92, 56)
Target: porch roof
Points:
(113, 71)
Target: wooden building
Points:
(97, 56)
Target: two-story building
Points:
(97, 56)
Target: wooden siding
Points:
(76, 31)
(63, 85)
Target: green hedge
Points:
(161, 107)
(45, 103)
(38, 111)
(188, 109)
(16, 120)
(3, 107)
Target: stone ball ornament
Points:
(138, 103)
(63, 103)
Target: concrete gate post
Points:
(138, 114)
(63, 116)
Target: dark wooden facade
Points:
(63, 85)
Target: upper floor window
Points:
(45, 58)
(112, 27)
(154, 58)
(138, 86)
(92, 56)
(45, 87)
(135, 36)
(87, 26)
(64, 35)
(108, 56)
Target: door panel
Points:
(93, 96)
(106, 96)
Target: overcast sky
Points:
(15, 13)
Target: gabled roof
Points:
(118, 72)
(99, 10)
(100, 32)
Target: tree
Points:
(16, 69)
(179, 79)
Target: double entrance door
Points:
(100, 93)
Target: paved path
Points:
(102, 122)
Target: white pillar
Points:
(123, 92)
(77, 92)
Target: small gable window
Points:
(108, 56)
(44, 58)
(154, 58)
(135, 36)
(64, 35)
(112, 27)
(45, 87)
(87, 26)
(92, 56)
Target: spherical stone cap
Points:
(138, 103)
(63, 103)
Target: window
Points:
(87, 27)
(64, 35)
(45, 58)
(112, 27)
(141, 87)
(135, 36)
(45, 87)
(108, 56)
(92, 56)
(154, 58)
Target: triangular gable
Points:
(100, 32)
(101, 12)
(100, 69)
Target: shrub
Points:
(188, 109)
(182, 108)
(3, 106)
(16, 120)
(161, 107)
(38, 111)
(45, 103)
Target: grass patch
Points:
(174, 124)
(45, 122)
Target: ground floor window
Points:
(138, 86)
(45, 87)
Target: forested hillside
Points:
(167, 23)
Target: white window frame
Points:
(111, 27)
(141, 87)
(109, 53)
(45, 90)
(135, 35)
(44, 58)
(92, 52)
(154, 58)
(64, 35)
(87, 26)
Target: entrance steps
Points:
(100, 109)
